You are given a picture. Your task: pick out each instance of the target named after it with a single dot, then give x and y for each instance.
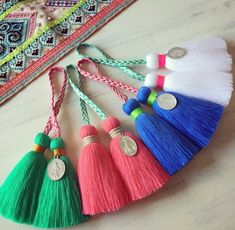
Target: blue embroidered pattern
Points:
(12, 34)
(6, 4)
(50, 39)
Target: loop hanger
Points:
(113, 84)
(84, 98)
(109, 61)
(102, 188)
(52, 122)
(128, 154)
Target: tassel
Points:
(20, 191)
(102, 188)
(209, 54)
(141, 173)
(211, 86)
(169, 146)
(59, 202)
(197, 119)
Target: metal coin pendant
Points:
(128, 145)
(56, 169)
(167, 101)
(176, 52)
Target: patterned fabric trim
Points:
(44, 29)
(6, 7)
(37, 67)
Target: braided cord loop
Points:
(52, 122)
(109, 61)
(84, 99)
(113, 84)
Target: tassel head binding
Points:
(215, 87)
(20, 191)
(141, 173)
(59, 201)
(195, 118)
(125, 143)
(102, 188)
(208, 54)
(172, 149)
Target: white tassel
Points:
(212, 86)
(209, 54)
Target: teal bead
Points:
(42, 139)
(57, 143)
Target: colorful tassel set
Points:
(186, 115)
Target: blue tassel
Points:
(167, 144)
(195, 118)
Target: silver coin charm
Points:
(176, 52)
(128, 145)
(56, 169)
(167, 101)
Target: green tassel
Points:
(20, 191)
(59, 202)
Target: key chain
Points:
(140, 171)
(171, 148)
(102, 188)
(59, 202)
(195, 118)
(207, 55)
(213, 86)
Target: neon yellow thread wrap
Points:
(151, 98)
(55, 22)
(136, 112)
(16, 6)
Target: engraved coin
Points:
(176, 52)
(56, 169)
(128, 145)
(167, 101)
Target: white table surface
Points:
(202, 195)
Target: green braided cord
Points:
(42, 30)
(85, 115)
(16, 6)
(84, 97)
(118, 64)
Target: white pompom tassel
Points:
(209, 54)
(212, 86)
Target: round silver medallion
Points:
(167, 101)
(176, 52)
(128, 145)
(56, 169)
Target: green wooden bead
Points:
(42, 140)
(57, 143)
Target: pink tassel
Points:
(140, 170)
(102, 188)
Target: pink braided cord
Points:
(113, 84)
(52, 122)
